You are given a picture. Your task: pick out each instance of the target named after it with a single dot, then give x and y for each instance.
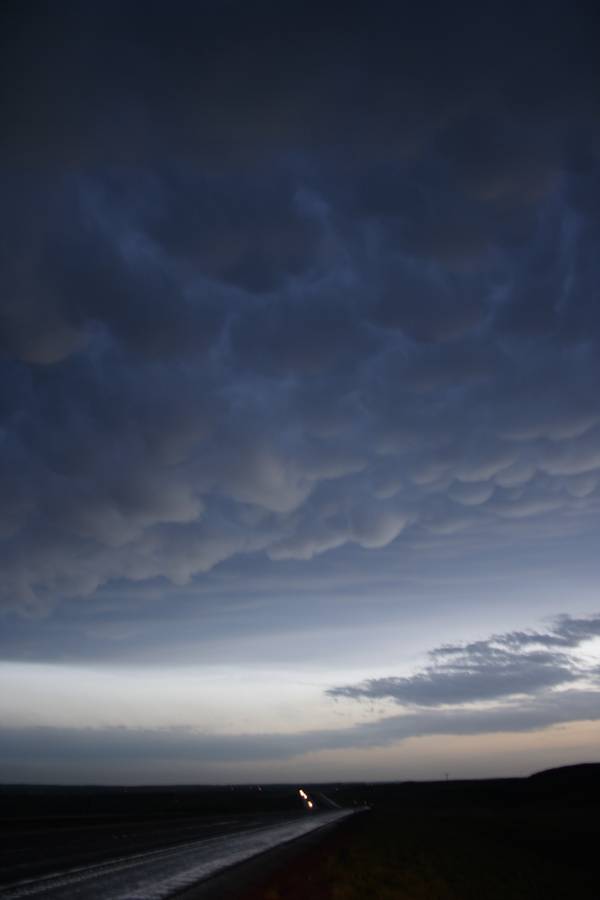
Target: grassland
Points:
(502, 840)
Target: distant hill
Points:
(564, 774)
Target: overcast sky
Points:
(299, 390)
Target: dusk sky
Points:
(300, 390)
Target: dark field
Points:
(36, 803)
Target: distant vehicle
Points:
(308, 803)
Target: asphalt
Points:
(246, 877)
(34, 851)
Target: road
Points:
(174, 857)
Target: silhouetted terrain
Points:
(587, 773)
(533, 837)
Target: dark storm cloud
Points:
(277, 280)
(233, 80)
(515, 663)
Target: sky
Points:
(299, 390)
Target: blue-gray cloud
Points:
(224, 336)
(515, 663)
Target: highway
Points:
(107, 864)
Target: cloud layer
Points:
(526, 689)
(505, 665)
(292, 288)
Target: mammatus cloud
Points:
(505, 665)
(222, 336)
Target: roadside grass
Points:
(431, 858)
(388, 855)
